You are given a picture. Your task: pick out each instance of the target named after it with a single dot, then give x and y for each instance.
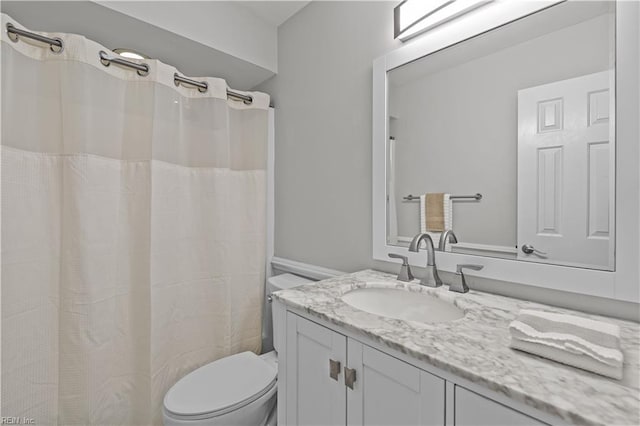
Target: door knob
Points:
(529, 249)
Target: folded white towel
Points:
(448, 218)
(563, 357)
(581, 342)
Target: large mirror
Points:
(508, 138)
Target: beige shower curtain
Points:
(133, 232)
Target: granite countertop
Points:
(476, 348)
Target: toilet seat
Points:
(220, 387)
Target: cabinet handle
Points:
(334, 369)
(349, 377)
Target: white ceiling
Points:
(274, 12)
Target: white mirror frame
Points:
(621, 284)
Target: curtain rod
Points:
(14, 34)
(203, 87)
(106, 60)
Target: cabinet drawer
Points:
(472, 409)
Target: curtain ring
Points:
(205, 88)
(143, 73)
(57, 49)
(12, 36)
(104, 59)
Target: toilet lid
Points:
(229, 382)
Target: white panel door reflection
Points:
(566, 154)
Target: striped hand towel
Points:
(448, 217)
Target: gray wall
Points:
(322, 95)
(456, 126)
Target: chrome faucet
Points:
(431, 278)
(447, 235)
(405, 270)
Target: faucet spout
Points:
(431, 278)
(415, 246)
(447, 235)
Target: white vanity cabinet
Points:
(328, 377)
(384, 390)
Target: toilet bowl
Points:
(240, 389)
(236, 390)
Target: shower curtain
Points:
(133, 232)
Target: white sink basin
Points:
(402, 304)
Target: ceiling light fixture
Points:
(131, 54)
(414, 17)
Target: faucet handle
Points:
(405, 259)
(405, 270)
(459, 267)
(461, 285)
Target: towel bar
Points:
(476, 197)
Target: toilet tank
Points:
(278, 282)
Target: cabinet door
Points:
(475, 410)
(388, 391)
(313, 396)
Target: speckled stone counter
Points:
(476, 348)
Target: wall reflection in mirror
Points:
(523, 115)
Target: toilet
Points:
(236, 390)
